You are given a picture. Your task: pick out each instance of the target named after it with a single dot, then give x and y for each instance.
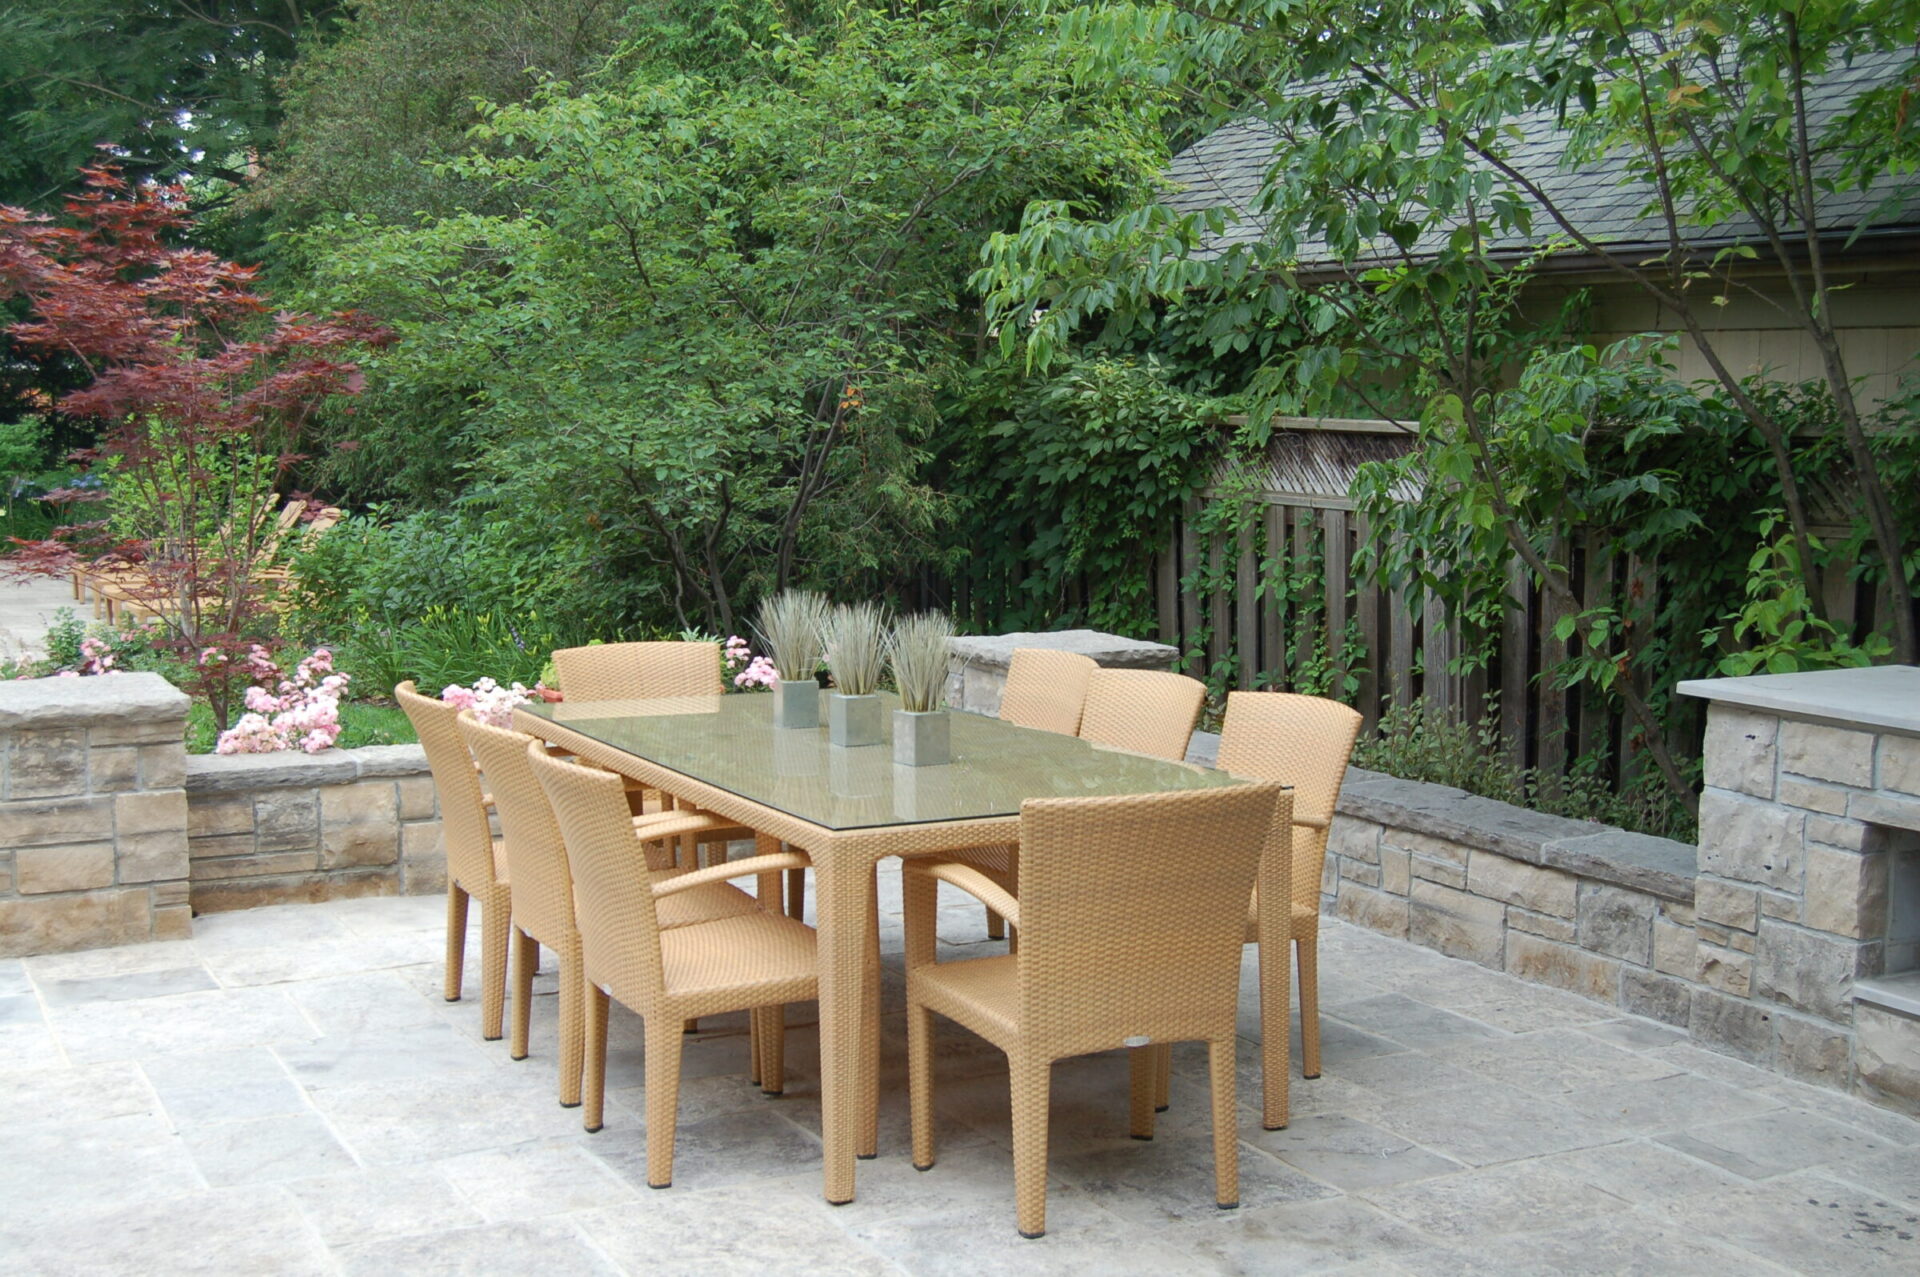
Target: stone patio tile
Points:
(1635, 1034)
(726, 1149)
(1486, 1124)
(535, 1180)
(1526, 1008)
(1721, 1068)
(21, 1009)
(1894, 1174)
(1412, 1023)
(1520, 1197)
(390, 915)
(1895, 1128)
(163, 955)
(215, 1020)
(44, 1093)
(30, 1046)
(1400, 1074)
(1807, 1222)
(396, 1122)
(211, 1086)
(54, 1170)
(264, 1149)
(1171, 1177)
(1553, 1062)
(362, 1001)
(1668, 1103)
(394, 1054)
(1327, 1236)
(784, 1230)
(310, 958)
(1641, 1171)
(239, 1231)
(1623, 1247)
(1350, 1154)
(283, 925)
(550, 1247)
(1774, 1143)
(382, 1202)
(129, 987)
(1341, 1041)
(13, 977)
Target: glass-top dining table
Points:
(848, 809)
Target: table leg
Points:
(869, 1145)
(843, 899)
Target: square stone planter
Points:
(796, 704)
(853, 721)
(922, 740)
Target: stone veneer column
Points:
(1812, 786)
(93, 815)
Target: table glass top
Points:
(730, 742)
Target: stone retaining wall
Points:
(278, 828)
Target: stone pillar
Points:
(93, 813)
(977, 666)
(1812, 795)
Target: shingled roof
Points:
(1225, 169)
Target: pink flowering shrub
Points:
(493, 704)
(302, 712)
(748, 671)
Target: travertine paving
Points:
(288, 1093)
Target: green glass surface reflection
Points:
(730, 742)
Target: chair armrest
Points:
(671, 824)
(1311, 822)
(974, 883)
(732, 869)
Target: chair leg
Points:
(495, 922)
(996, 926)
(756, 1046)
(573, 1009)
(1143, 1077)
(1226, 1139)
(594, 1046)
(1307, 954)
(1162, 1076)
(920, 1084)
(1031, 1081)
(663, 1098)
(456, 940)
(526, 959)
(1276, 1032)
(773, 1050)
(797, 894)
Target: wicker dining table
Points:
(849, 809)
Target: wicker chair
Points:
(476, 861)
(1142, 711)
(623, 671)
(1045, 690)
(542, 896)
(757, 961)
(1305, 742)
(1120, 945)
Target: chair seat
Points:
(1305, 918)
(766, 952)
(981, 994)
(702, 904)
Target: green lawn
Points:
(360, 724)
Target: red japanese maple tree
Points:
(200, 390)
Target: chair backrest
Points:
(622, 671)
(463, 816)
(1302, 741)
(1046, 689)
(1145, 711)
(1118, 938)
(619, 929)
(536, 856)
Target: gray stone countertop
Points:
(79, 702)
(1109, 650)
(1883, 698)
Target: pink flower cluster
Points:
(747, 669)
(302, 712)
(97, 656)
(491, 703)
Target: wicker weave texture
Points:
(1145, 711)
(619, 671)
(1121, 945)
(1046, 689)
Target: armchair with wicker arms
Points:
(1120, 945)
(1305, 742)
(754, 960)
(542, 903)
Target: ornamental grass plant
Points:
(792, 627)
(919, 655)
(857, 648)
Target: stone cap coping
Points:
(225, 773)
(1883, 698)
(996, 650)
(84, 702)
(1899, 993)
(1639, 862)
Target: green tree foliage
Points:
(708, 328)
